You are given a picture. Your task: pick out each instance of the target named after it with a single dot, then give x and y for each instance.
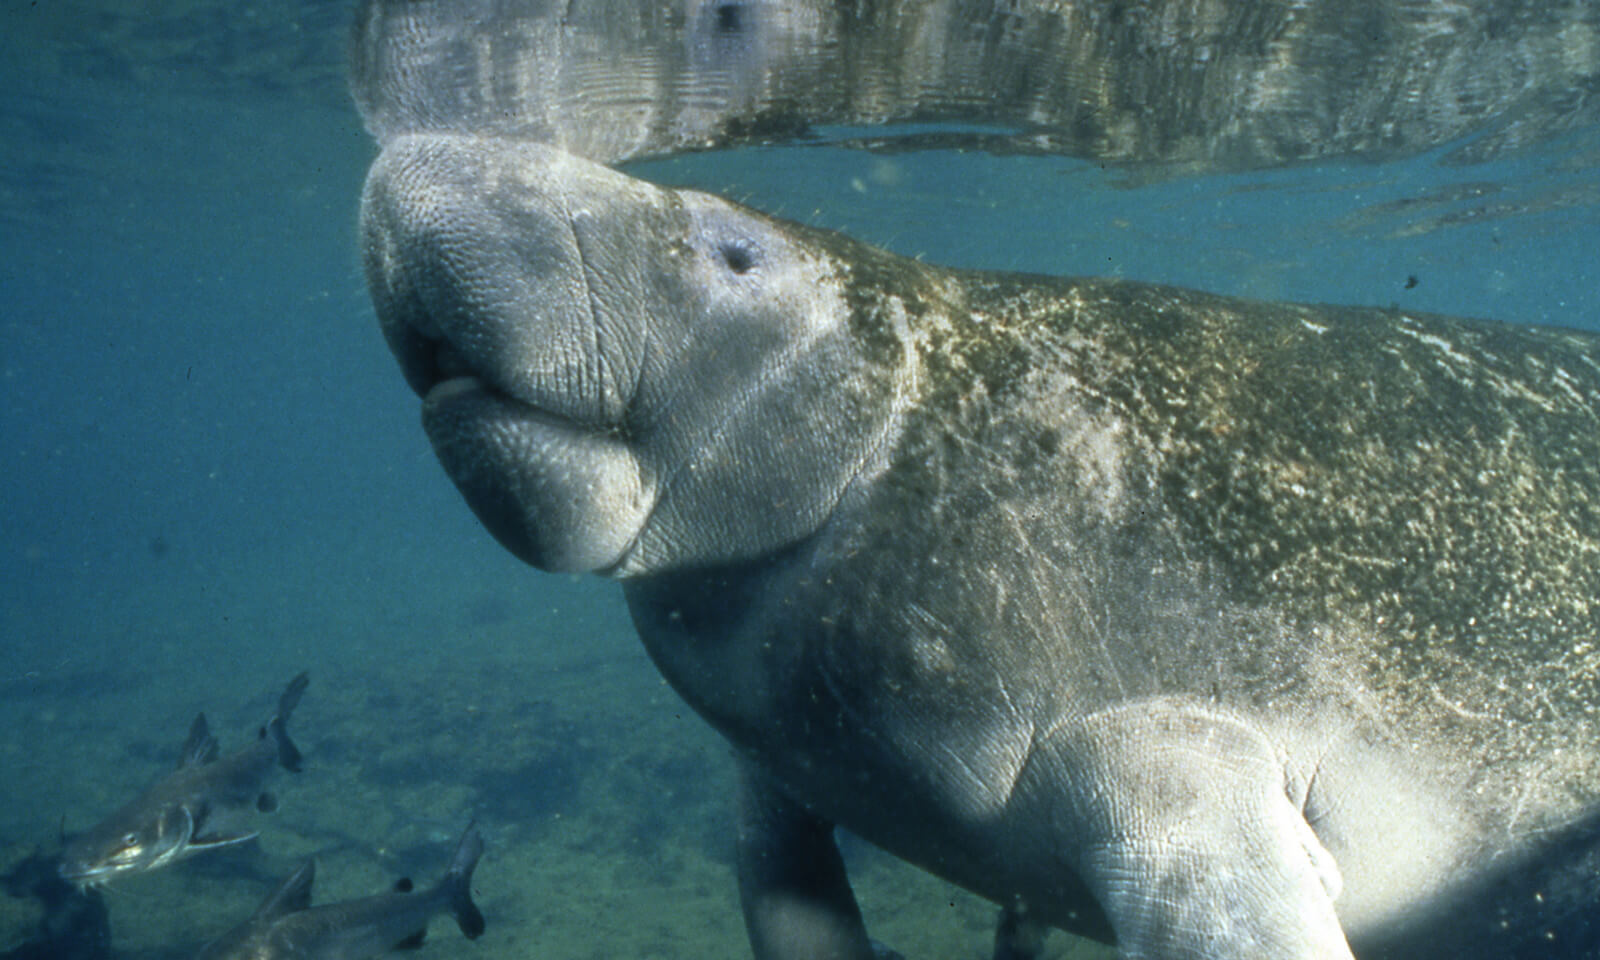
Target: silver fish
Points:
(205, 804)
(287, 927)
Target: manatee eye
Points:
(730, 17)
(738, 255)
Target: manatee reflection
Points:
(1207, 83)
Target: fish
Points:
(205, 804)
(287, 927)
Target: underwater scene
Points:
(216, 481)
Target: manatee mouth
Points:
(448, 364)
(558, 493)
(429, 362)
(442, 391)
(449, 375)
(438, 371)
(468, 391)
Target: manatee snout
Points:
(622, 377)
(475, 269)
(481, 291)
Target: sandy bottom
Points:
(605, 803)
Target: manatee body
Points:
(1207, 83)
(1208, 627)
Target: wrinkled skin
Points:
(1207, 627)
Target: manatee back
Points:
(1278, 505)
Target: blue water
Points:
(215, 478)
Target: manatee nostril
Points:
(739, 257)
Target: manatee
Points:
(1191, 83)
(1207, 627)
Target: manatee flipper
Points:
(1185, 831)
(797, 900)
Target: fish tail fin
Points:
(458, 883)
(288, 753)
